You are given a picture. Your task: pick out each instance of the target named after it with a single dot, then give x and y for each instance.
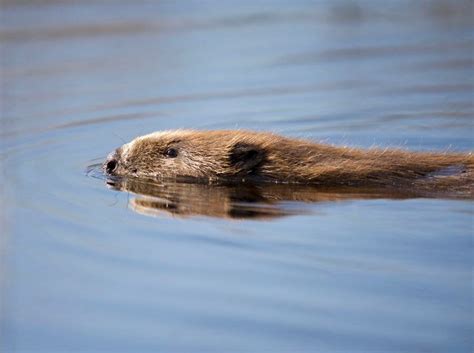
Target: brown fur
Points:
(254, 156)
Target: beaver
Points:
(248, 156)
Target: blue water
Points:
(83, 269)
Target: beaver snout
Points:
(111, 163)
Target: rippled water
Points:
(193, 268)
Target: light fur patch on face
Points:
(166, 133)
(172, 134)
(125, 150)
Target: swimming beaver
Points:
(238, 155)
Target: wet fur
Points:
(239, 155)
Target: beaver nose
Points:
(111, 166)
(111, 163)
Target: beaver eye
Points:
(171, 153)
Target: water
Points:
(88, 268)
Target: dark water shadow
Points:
(372, 52)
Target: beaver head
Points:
(187, 153)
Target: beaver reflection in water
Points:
(264, 201)
(246, 156)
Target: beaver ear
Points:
(246, 156)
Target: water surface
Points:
(82, 269)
